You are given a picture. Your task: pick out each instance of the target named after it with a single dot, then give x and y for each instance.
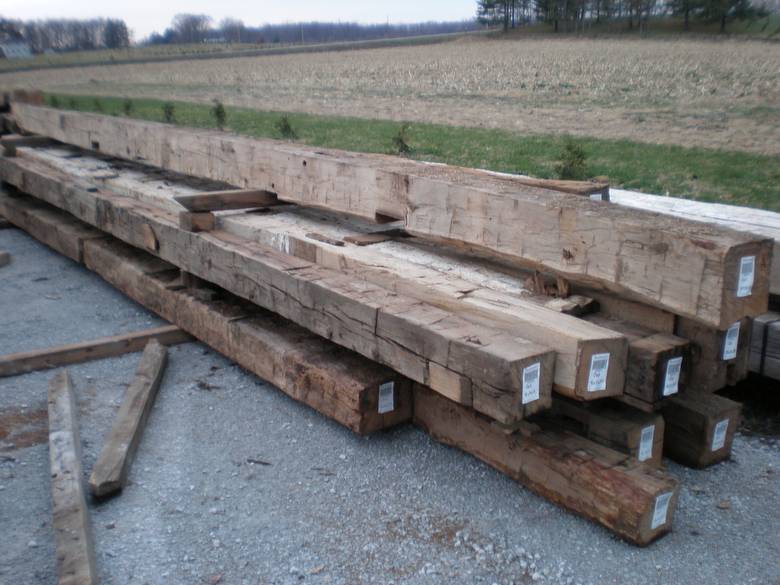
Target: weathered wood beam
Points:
(714, 275)
(75, 353)
(765, 346)
(593, 481)
(400, 332)
(72, 530)
(700, 428)
(623, 428)
(109, 474)
(11, 142)
(224, 200)
(196, 222)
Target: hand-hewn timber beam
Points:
(714, 275)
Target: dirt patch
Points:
(21, 428)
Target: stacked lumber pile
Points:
(564, 340)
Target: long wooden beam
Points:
(427, 344)
(425, 272)
(707, 273)
(598, 483)
(109, 474)
(224, 200)
(96, 349)
(72, 530)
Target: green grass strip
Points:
(738, 178)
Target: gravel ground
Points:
(316, 504)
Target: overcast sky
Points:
(145, 16)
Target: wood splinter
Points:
(109, 475)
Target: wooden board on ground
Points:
(708, 273)
(593, 481)
(84, 351)
(72, 530)
(400, 332)
(765, 346)
(109, 474)
(623, 428)
(700, 428)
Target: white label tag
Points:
(730, 342)
(646, 443)
(386, 397)
(747, 275)
(531, 383)
(719, 435)
(672, 378)
(661, 510)
(599, 365)
(596, 197)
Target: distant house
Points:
(15, 51)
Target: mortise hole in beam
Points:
(95, 145)
(304, 163)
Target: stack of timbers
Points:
(526, 324)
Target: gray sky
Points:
(145, 16)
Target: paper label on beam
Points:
(719, 435)
(531, 376)
(386, 397)
(597, 379)
(672, 378)
(731, 341)
(646, 443)
(747, 275)
(661, 510)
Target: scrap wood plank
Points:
(224, 200)
(398, 331)
(593, 481)
(708, 273)
(700, 428)
(11, 142)
(109, 474)
(74, 353)
(72, 530)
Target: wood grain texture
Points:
(593, 481)
(338, 383)
(84, 351)
(109, 474)
(400, 332)
(72, 530)
(682, 266)
(223, 200)
(623, 428)
(430, 274)
(700, 428)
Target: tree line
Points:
(199, 28)
(66, 35)
(573, 15)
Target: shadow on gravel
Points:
(760, 398)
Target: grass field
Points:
(677, 91)
(709, 175)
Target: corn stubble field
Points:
(688, 92)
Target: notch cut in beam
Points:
(226, 200)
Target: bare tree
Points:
(191, 28)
